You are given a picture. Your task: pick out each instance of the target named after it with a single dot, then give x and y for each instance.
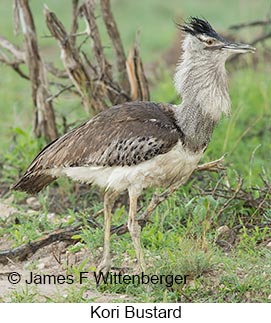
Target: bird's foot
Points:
(104, 267)
(102, 272)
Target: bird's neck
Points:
(203, 84)
(204, 91)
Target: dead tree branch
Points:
(93, 77)
(114, 35)
(251, 24)
(44, 124)
(104, 67)
(260, 39)
(71, 59)
(17, 53)
(64, 234)
(64, 89)
(15, 65)
(257, 198)
(74, 27)
(136, 75)
(18, 56)
(61, 74)
(22, 252)
(266, 34)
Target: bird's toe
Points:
(104, 267)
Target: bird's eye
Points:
(210, 42)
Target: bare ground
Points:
(55, 260)
(50, 260)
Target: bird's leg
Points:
(135, 230)
(109, 200)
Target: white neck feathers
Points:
(201, 80)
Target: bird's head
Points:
(203, 39)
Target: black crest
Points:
(197, 26)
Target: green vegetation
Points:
(184, 233)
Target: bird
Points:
(136, 145)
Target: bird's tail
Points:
(33, 183)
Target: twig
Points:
(228, 201)
(55, 71)
(254, 42)
(260, 39)
(62, 86)
(252, 226)
(18, 56)
(15, 65)
(261, 203)
(16, 52)
(54, 96)
(251, 24)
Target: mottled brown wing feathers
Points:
(127, 134)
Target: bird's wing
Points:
(127, 134)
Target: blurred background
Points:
(159, 41)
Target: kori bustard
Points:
(137, 145)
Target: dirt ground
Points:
(53, 259)
(50, 260)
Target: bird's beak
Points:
(236, 48)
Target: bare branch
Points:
(138, 81)
(251, 24)
(87, 10)
(228, 201)
(104, 67)
(16, 17)
(260, 201)
(56, 95)
(15, 65)
(44, 118)
(74, 27)
(72, 61)
(62, 74)
(22, 252)
(64, 234)
(114, 35)
(18, 54)
(261, 39)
